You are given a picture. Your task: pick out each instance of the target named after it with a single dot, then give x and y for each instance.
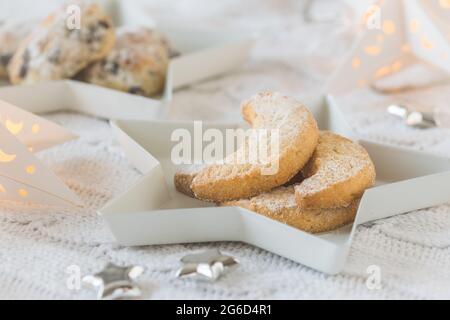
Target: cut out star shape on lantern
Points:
(396, 34)
(23, 176)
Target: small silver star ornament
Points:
(115, 282)
(209, 264)
(412, 118)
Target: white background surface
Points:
(37, 244)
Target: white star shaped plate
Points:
(152, 212)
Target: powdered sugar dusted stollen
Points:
(338, 173)
(280, 204)
(56, 51)
(11, 34)
(298, 136)
(137, 64)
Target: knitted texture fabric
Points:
(40, 247)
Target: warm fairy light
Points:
(373, 50)
(30, 169)
(389, 27)
(23, 193)
(356, 63)
(35, 128)
(13, 127)
(2, 189)
(5, 157)
(414, 25)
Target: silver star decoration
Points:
(209, 264)
(115, 282)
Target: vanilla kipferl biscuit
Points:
(54, 51)
(338, 173)
(137, 64)
(298, 137)
(280, 204)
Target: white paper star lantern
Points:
(396, 33)
(23, 177)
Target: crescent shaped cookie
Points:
(54, 51)
(280, 205)
(338, 173)
(298, 137)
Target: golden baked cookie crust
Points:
(338, 173)
(280, 205)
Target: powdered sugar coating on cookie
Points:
(338, 172)
(297, 139)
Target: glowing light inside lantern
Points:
(383, 71)
(23, 193)
(426, 43)
(372, 50)
(30, 169)
(5, 157)
(397, 65)
(389, 27)
(2, 189)
(35, 128)
(414, 25)
(445, 4)
(356, 63)
(406, 48)
(13, 127)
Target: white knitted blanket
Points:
(38, 244)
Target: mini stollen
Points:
(53, 51)
(137, 63)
